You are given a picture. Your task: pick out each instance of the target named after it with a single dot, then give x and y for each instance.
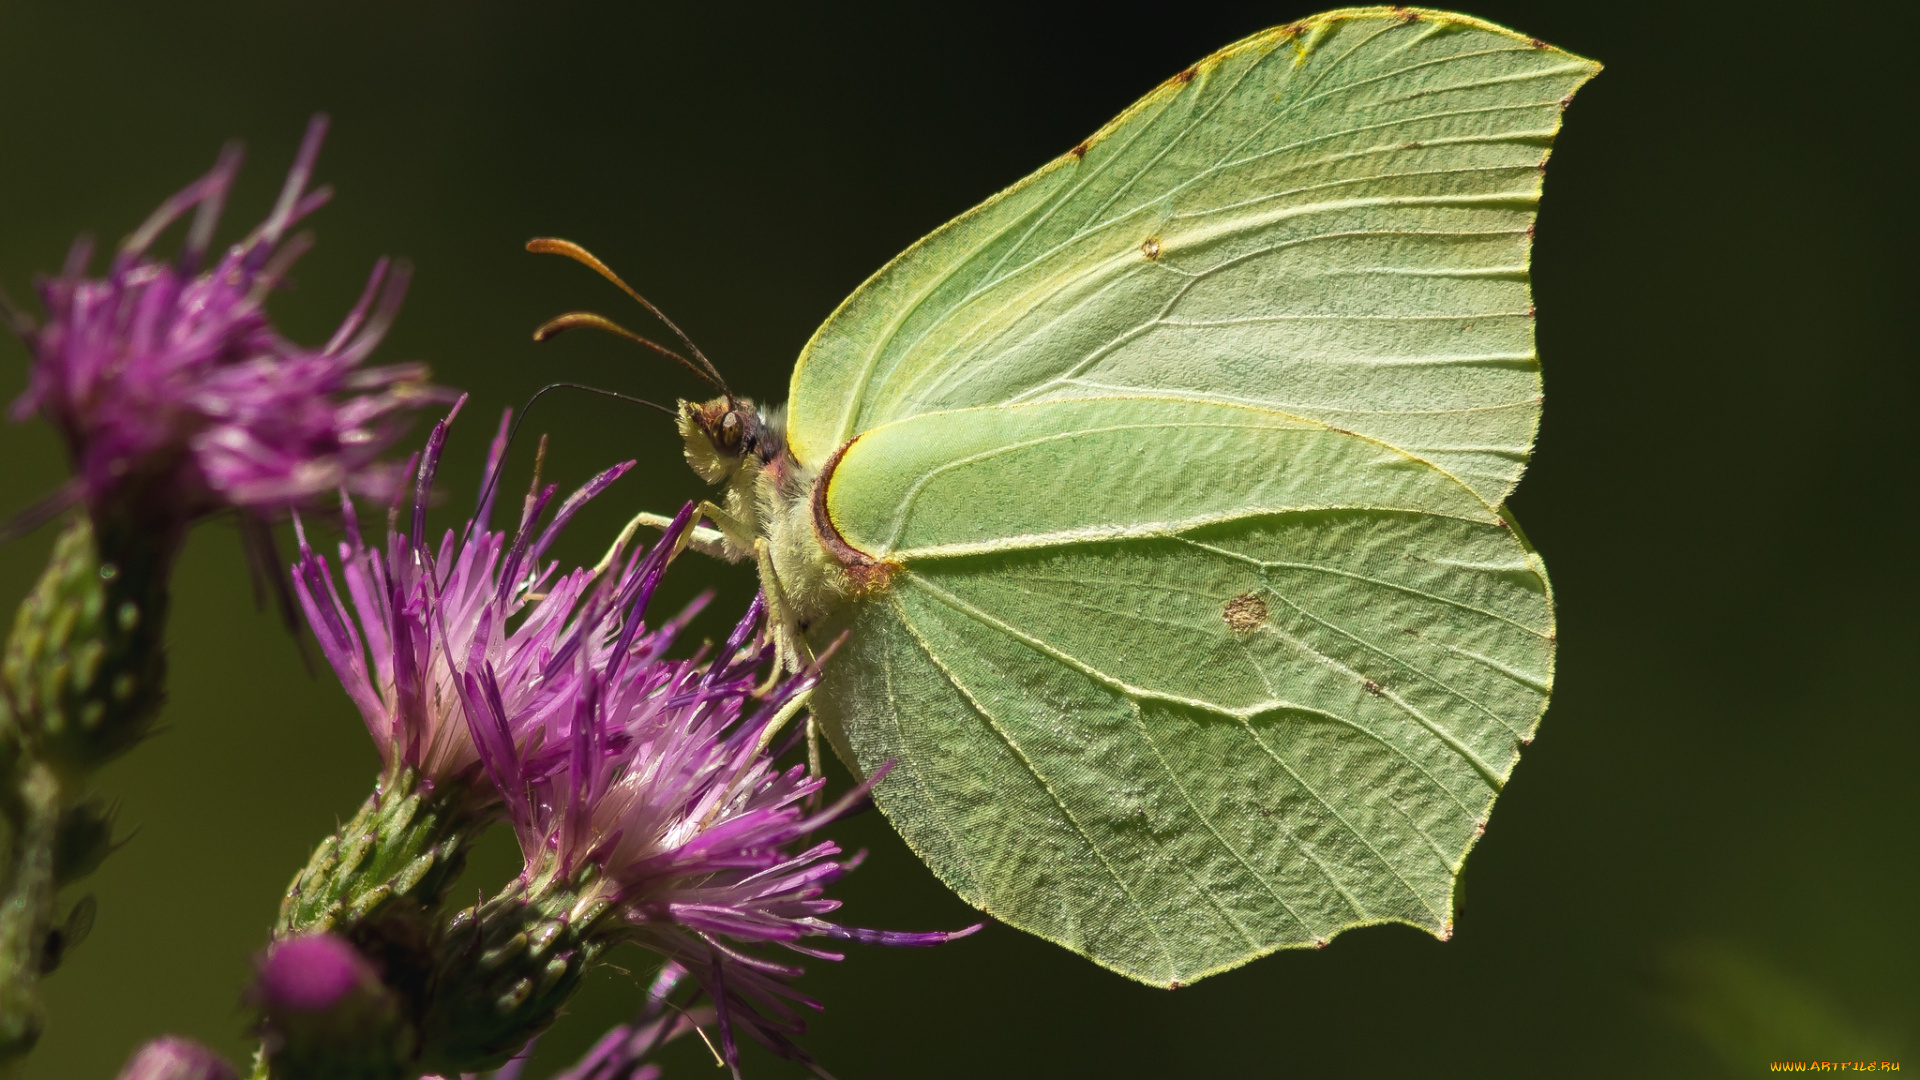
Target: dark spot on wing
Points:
(1186, 76)
(1079, 152)
(1244, 613)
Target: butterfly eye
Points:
(728, 435)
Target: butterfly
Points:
(1156, 504)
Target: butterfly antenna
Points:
(573, 320)
(554, 246)
(499, 463)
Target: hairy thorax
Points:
(812, 579)
(770, 499)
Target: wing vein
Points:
(1388, 693)
(1352, 831)
(1370, 580)
(1014, 748)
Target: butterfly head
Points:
(725, 433)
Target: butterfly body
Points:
(767, 515)
(1158, 502)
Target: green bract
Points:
(1161, 496)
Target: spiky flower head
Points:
(643, 789)
(175, 394)
(655, 806)
(424, 612)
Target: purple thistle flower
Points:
(660, 783)
(172, 1058)
(422, 610)
(643, 790)
(176, 395)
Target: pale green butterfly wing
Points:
(1204, 636)
(1174, 725)
(1332, 219)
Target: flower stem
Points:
(26, 909)
(80, 683)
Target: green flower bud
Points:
(84, 671)
(379, 881)
(326, 1014)
(504, 970)
(398, 855)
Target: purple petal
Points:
(283, 213)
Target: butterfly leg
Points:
(813, 752)
(790, 649)
(700, 538)
(729, 538)
(710, 542)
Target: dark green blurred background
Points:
(1707, 859)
